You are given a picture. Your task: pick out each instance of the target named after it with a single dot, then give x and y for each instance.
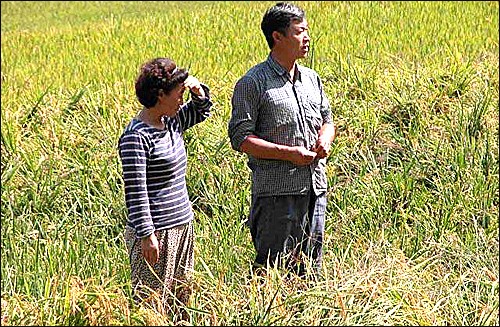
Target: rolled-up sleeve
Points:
(245, 103)
(325, 109)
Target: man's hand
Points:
(263, 149)
(150, 249)
(324, 142)
(322, 148)
(301, 156)
(194, 86)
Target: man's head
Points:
(278, 18)
(155, 75)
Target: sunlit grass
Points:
(412, 218)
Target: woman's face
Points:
(173, 101)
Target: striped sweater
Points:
(154, 169)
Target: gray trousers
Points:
(285, 228)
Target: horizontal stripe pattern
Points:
(154, 169)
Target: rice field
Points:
(412, 218)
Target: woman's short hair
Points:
(155, 75)
(278, 18)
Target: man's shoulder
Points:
(307, 71)
(254, 78)
(258, 71)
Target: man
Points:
(282, 120)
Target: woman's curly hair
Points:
(155, 75)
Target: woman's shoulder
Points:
(136, 126)
(136, 129)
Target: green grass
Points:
(412, 216)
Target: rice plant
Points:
(412, 216)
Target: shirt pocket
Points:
(313, 112)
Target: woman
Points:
(159, 233)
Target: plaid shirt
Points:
(267, 104)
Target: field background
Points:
(412, 218)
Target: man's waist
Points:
(276, 177)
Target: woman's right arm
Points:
(133, 149)
(133, 152)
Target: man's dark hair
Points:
(155, 75)
(278, 18)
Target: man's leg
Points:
(276, 224)
(316, 231)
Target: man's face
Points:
(296, 40)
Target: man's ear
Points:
(277, 36)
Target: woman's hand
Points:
(150, 249)
(194, 86)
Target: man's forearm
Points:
(328, 132)
(259, 148)
(262, 149)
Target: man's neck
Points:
(287, 63)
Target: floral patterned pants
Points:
(168, 277)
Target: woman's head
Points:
(155, 75)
